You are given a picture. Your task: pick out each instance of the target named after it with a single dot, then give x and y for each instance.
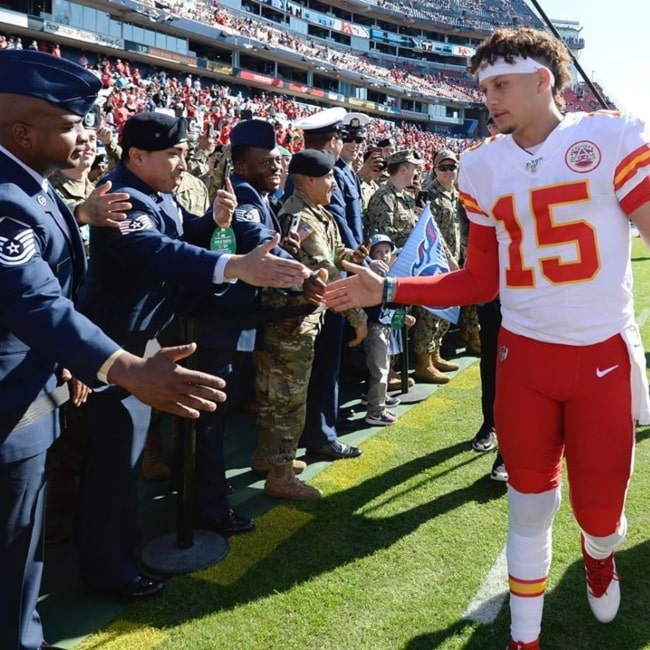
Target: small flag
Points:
(424, 254)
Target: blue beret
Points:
(153, 131)
(311, 162)
(43, 76)
(253, 133)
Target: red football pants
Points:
(554, 399)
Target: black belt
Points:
(44, 405)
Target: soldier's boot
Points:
(395, 381)
(473, 344)
(259, 460)
(281, 483)
(154, 465)
(261, 465)
(442, 364)
(426, 372)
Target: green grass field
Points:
(395, 552)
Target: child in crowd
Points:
(381, 322)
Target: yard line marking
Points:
(489, 599)
(642, 317)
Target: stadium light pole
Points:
(588, 81)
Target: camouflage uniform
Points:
(192, 194)
(74, 192)
(198, 164)
(390, 212)
(445, 206)
(283, 367)
(368, 188)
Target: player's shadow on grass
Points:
(340, 532)
(568, 621)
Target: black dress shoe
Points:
(336, 450)
(142, 587)
(231, 524)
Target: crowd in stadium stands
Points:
(129, 90)
(476, 15)
(405, 77)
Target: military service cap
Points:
(52, 79)
(153, 131)
(311, 162)
(354, 125)
(329, 120)
(385, 142)
(253, 133)
(405, 156)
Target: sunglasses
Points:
(347, 139)
(447, 168)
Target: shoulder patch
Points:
(248, 214)
(140, 221)
(17, 242)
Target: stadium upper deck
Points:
(362, 55)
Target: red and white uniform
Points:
(561, 223)
(571, 368)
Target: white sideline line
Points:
(642, 317)
(491, 595)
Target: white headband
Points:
(519, 65)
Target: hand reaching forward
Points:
(103, 208)
(362, 288)
(262, 268)
(314, 286)
(159, 382)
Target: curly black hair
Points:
(529, 43)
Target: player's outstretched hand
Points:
(160, 382)
(362, 288)
(262, 268)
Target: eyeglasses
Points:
(347, 139)
(447, 168)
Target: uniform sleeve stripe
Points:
(631, 164)
(636, 197)
(470, 204)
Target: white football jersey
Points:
(561, 223)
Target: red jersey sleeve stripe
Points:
(631, 164)
(637, 197)
(470, 204)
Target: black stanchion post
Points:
(418, 392)
(185, 514)
(188, 549)
(405, 359)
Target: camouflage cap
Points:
(406, 156)
(445, 154)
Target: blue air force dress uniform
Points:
(131, 291)
(42, 264)
(352, 128)
(228, 327)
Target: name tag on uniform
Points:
(223, 240)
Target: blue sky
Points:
(616, 36)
